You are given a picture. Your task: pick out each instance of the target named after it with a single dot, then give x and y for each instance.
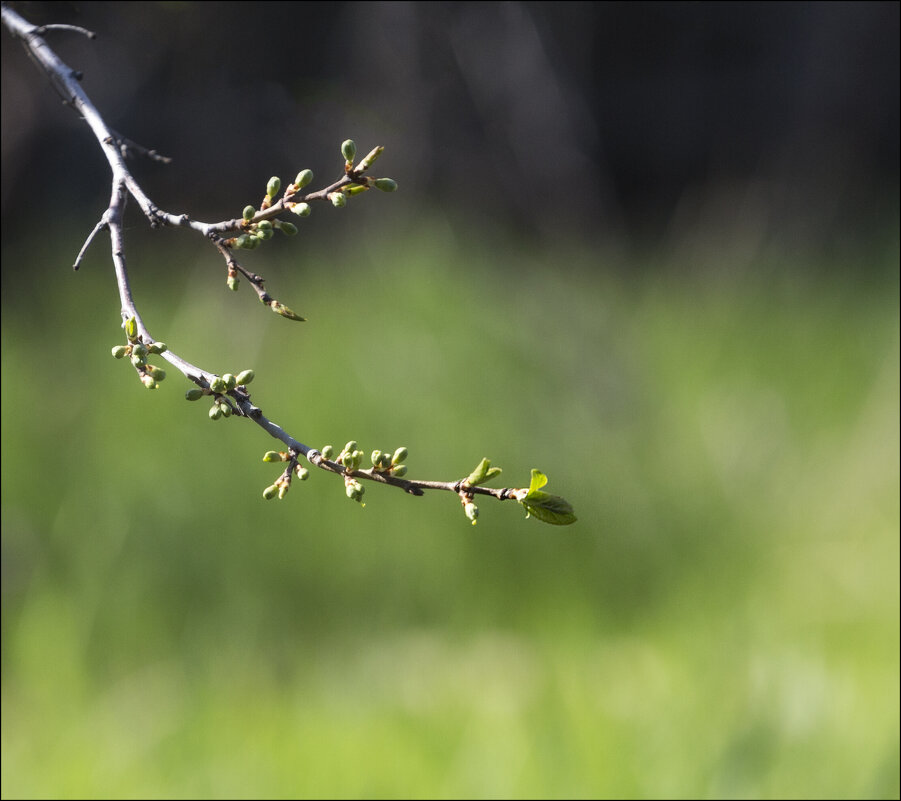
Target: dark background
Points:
(625, 122)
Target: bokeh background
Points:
(651, 249)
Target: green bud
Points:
(148, 381)
(137, 361)
(287, 228)
(367, 162)
(253, 241)
(230, 381)
(131, 329)
(354, 490)
(248, 213)
(283, 491)
(356, 189)
(270, 492)
(273, 456)
(471, 510)
(139, 350)
(241, 242)
(120, 351)
(215, 412)
(244, 377)
(158, 373)
(302, 209)
(274, 185)
(349, 150)
(302, 473)
(399, 470)
(399, 455)
(265, 234)
(232, 283)
(157, 347)
(264, 225)
(327, 452)
(194, 394)
(303, 178)
(226, 409)
(376, 458)
(284, 311)
(218, 386)
(339, 201)
(386, 184)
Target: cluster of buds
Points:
(219, 388)
(138, 352)
(283, 482)
(384, 462)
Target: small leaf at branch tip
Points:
(303, 178)
(274, 185)
(248, 213)
(386, 184)
(302, 209)
(338, 199)
(483, 473)
(120, 351)
(284, 311)
(287, 228)
(349, 150)
(244, 377)
(367, 162)
(194, 394)
(270, 492)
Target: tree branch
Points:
(228, 392)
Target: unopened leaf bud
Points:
(253, 241)
(354, 490)
(273, 456)
(120, 351)
(244, 377)
(472, 511)
(265, 235)
(241, 242)
(226, 409)
(270, 492)
(148, 381)
(327, 452)
(399, 470)
(339, 201)
(376, 458)
(232, 283)
(301, 472)
(248, 213)
(264, 225)
(158, 373)
(139, 350)
(287, 228)
(157, 347)
(284, 311)
(303, 178)
(215, 412)
(349, 150)
(230, 381)
(283, 490)
(367, 162)
(356, 189)
(302, 209)
(351, 446)
(218, 386)
(194, 394)
(399, 455)
(386, 184)
(137, 361)
(131, 329)
(274, 185)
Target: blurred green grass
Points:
(722, 621)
